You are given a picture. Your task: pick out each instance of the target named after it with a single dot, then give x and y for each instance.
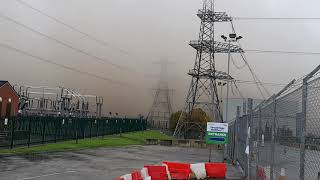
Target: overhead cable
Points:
(276, 18)
(104, 43)
(63, 66)
(101, 60)
(254, 76)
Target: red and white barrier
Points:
(126, 177)
(199, 170)
(179, 171)
(216, 170)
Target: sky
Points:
(139, 33)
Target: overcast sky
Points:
(147, 31)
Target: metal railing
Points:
(282, 134)
(26, 131)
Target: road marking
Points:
(46, 175)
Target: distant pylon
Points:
(203, 88)
(161, 108)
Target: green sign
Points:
(217, 133)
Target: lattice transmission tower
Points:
(161, 108)
(203, 88)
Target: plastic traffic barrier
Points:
(119, 179)
(144, 173)
(126, 177)
(178, 170)
(216, 170)
(199, 170)
(136, 175)
(167, 170)
(157, 172)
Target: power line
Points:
(281, 52)
(104, 43)
(254, 76)
(238, 90)
(276, 18)
(64, 66)
(263, 83)
(235, 65)
(101, 60)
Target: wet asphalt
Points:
(95, 164)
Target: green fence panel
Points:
(29, 130)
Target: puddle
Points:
(36, 157)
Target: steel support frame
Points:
(204, 75)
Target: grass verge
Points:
(133, 138)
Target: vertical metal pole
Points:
(12, 132)
(29, 132)
(56, 122)
(90, 128)
(97, 129)
(258, 142)
(273, 144)
(77, 128)
(210, 152)
(303, 128)
(227, 100)
(235, 154)
(250, 103)
(43, 129)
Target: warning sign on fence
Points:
(217, 133)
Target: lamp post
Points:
(221, 84)
(232, 38)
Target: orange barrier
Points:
(216, 170)
(179, 170)
(136, 175)
(157, 172)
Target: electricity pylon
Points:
(161, 109)
(203, 88)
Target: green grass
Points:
(133, 138)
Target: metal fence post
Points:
(304, 119)
(273, 144)
(77, 129)
(250, 104)
(12, 132)
(90, 128)
(258, 141)
(29, 132)
(97, 129)
(43, 129)
(56, 123)
(235, 150)
(304, 116)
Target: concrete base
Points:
(183, 143)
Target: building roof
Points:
(2, 82)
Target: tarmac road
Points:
(95, 164)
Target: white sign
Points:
(217, 127)
(247, 150)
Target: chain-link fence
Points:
(25, 131)
(281, 136)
